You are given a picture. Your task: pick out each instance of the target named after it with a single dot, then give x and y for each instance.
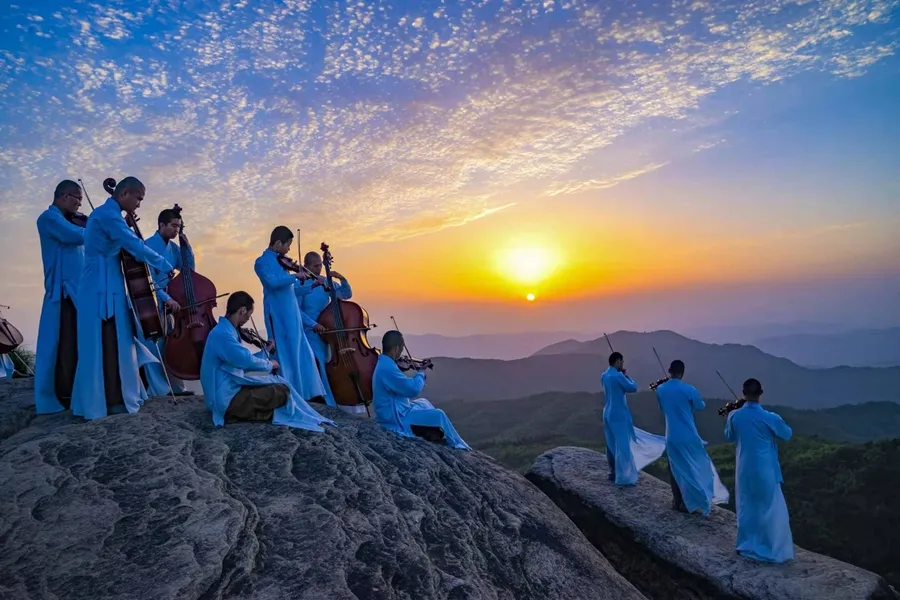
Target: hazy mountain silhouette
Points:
(573, 366)
(867, 348)
(501, 346)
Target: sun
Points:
(529, 297)
(526, 265)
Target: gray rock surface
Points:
(668, 554)
(162, 505)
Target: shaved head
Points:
(129, 184)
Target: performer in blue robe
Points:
(391, 393)
(161, 242)
(109, 353)
(283, 320)
(230, 393)
(62, 252)
(313, 300)
(692, 475)
(764, 528)
(628, 449)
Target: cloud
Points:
(374, 120)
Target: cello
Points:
(197, 296)
(10, 337)
(352, 363)
(138, 281)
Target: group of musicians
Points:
(95, 358)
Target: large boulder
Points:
(672, 555)
(163, 505)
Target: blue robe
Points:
(285, 327)
(222, 375)
(313, 301)
(62, 252)
(7, 368)
(102, 295)
(156, 378)
(628, 448)
(694, 472)
(764, 528)
(395, 412)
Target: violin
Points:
(10, 337)
(407, 363)
(138, 280)
(254, 339)
(352, 363)
(658, 383)
(78, 218)
(197, 296)
(730, 406)
(289, 264)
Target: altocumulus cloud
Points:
(425, 114)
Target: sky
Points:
(622, 164)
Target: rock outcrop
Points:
(671, 555)
(162, 505)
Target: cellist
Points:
(109, 353)
(313, 300)
(282, 313)
(162, 242)
(62, 254)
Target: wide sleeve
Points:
(233, 353)
(55, 226)
(308, 321)
(779, 427)
(343, 290)
(271, 274)
(131, 243)
(729, 429)
(697, 400)
(400, 384)
(627, 383)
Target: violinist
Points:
(109, 355)
(313, 300)
(618, 427)
(392, 393)
(763, 522)
(62, 253)
(162, 242)
(690, 468)
(280, 279)
(231, 394)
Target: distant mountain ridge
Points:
(502, 346)
(575, 366)
(864, 348)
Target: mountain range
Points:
(576, 366)
(866, 348)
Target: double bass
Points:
(138, 281)
(193, 323)
(352, 363)
(10, 337)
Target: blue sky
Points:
(770, 116)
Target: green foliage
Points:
(23, 360)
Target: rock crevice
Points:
(672, 555)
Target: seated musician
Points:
(169, 226)
(313, 299)
(392, 391)
(107, 377)
(231, 394)
(763, 522)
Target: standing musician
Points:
(161, 242)
(229, 393)
(764, 528)
(313, 300)
(392, 391)
(691, 472)
(617, 424)
(280, 279)
(109, 354)
(62, 253)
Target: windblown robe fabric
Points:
(694, 472)
(764, 528)
(7, 368)
(102, 295)
(631, 448)
(156, 378)
(285, 326)
(313, 301)
(62, 252)
(395, 412)
(222, 374)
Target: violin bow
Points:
(726, 385)
(659, 360)
(86, 195)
